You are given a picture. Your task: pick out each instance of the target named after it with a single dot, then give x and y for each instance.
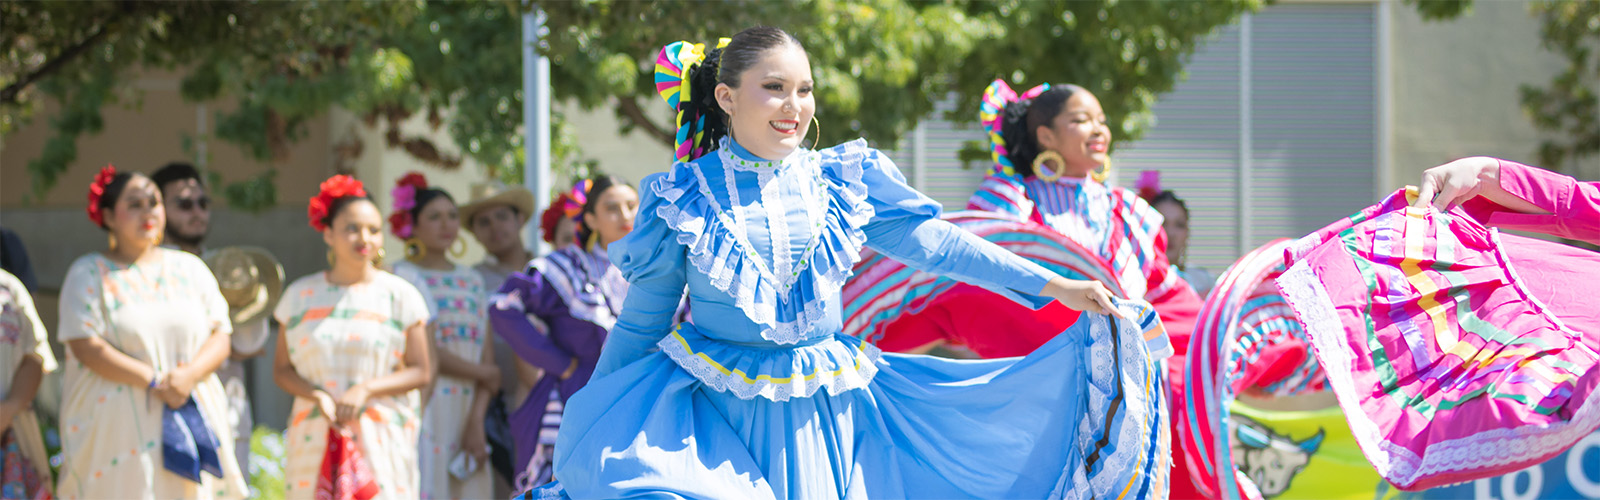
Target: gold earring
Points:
(111, 241)
(378, 260)
(817, 143)
(330, 258)
(160, 237)
(458, 253)
(414, 249)
(594, 239)
(1101, 174)
(1041, 160)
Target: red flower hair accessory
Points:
(335, 187)
(97, 189)
(558, 209)
(405, 199)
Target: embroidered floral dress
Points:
(158, 312)
(456, 303)
(21, 334)
(762, 396)
(340, 336)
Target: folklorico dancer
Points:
(1458, 352)
(762, 396)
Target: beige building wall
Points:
(629, 156)
(1457, 88)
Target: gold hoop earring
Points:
(458, 253)
(377, 261)
(1101, 174)
(160, 237)
(414, 249)
(816, 143)
(1042, 159)
(111, 241)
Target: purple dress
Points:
(559, 309)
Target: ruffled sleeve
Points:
(905, 226)
(653, 262)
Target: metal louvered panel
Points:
(948, 182)
(1195, 146)
(944, 180)
(1314, 130)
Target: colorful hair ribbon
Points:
(991, 113)
(577, 199)
(673, 66)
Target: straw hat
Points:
(492, 194)
(250, 278)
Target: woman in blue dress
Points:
(761, 397)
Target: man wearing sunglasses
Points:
(188, 206)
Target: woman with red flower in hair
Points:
(427, 219)
(559, 222)
(354, 352)
(144, 327)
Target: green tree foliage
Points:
(881, 65)
(285, 61)
(1570, 104)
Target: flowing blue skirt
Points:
(1082, 417)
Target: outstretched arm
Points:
(1515, 196)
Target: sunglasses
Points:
(187, 204)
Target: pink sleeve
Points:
(1574, 206)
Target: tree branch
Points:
(628, 107)
(10, 93)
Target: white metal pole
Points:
(1246, 142)
(535, 124)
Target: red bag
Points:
(345, 473)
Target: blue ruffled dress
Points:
(762, 397)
